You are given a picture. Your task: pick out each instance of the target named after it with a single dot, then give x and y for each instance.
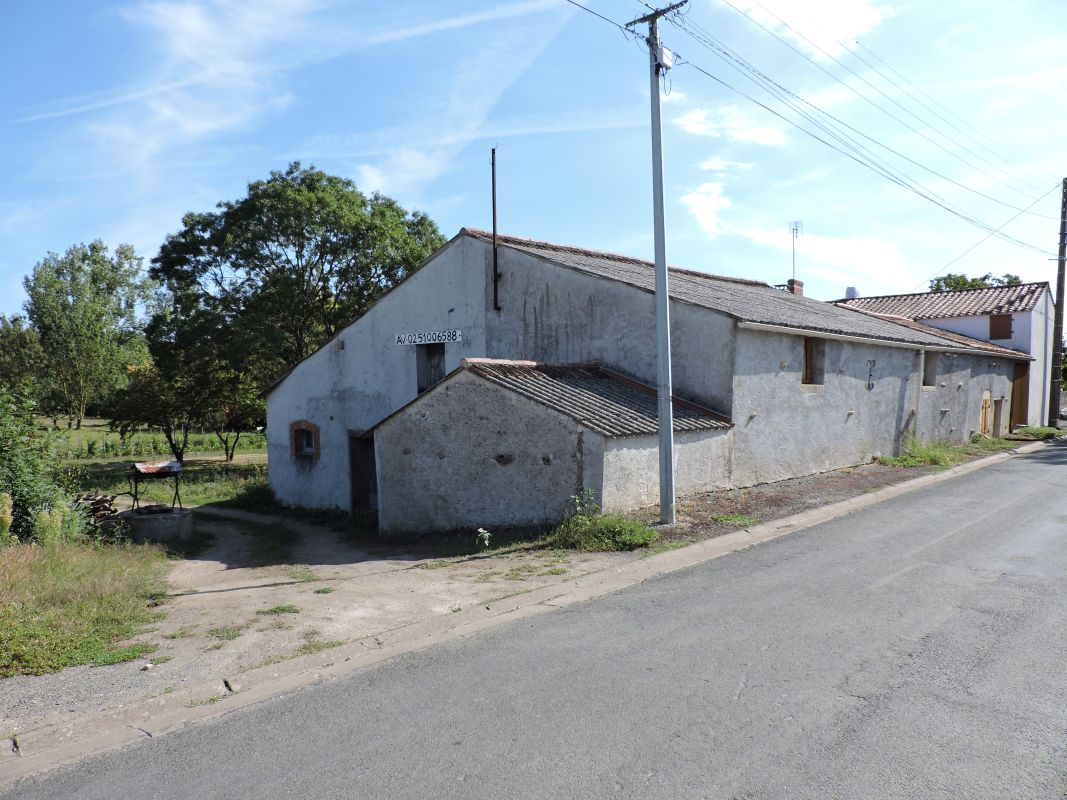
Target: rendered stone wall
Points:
(470, 454)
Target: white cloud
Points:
(409, 157)
(722, 165)
(675, 96)
(730, 123)
(818, 25)
(382, 142)
(705, 204)
(873, 265)
(220, 67)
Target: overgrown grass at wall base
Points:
(72, 603)
(602, 532)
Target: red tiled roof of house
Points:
(963, 303)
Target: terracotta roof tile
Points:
(964, 303)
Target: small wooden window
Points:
(814, 370)
(1000, 326)
(304, 439)
(930, 369)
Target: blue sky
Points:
(118, 118)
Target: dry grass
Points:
(68, 603)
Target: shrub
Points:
(28, 460)
(6, 536)
(589, 530)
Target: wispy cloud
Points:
(729, 123)
(722, 165)
(706, 204)
(221, 66)
(406, 158)
(818, 26)
(873, 265)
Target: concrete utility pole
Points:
(660, 60)
(1057, 327)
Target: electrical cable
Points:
(868, 100)
(720, 49)
(988, 236)
(926, 195)
(966, 218)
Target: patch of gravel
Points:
(697, 514)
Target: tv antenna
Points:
(796, 227)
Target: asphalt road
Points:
(911, 650)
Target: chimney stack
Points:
(795, 287)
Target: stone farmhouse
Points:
(1018, 317)
(487, 388)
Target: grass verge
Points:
(943, 454)
(69, 604)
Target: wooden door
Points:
(1020, 395)
(363, 474)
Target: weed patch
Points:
(286, 609)
(1036, 432)
(226, 633)
(123, 654)
(917, 454)
(324, 590)
(602, 532)
(69, 603)
(740, 520)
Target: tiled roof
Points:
(964, 303)
(746, 300)
(966, 341)
(598, 399)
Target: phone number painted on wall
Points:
(430, 337)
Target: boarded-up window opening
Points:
(429, 365)
(1000, 326)
(814, 361)
(930, 369)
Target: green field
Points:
(95, 442)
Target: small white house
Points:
(1018, 317)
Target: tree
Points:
(20, 353)
(284, 268)
(954, 282)
(150, 399)
(83, 306)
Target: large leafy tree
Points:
(20, 353)
(282, 269)
(953, 282)
(83, 306)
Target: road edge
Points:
(48, 747)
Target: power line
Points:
(869, 163)
(866, 99)
(926, 196)
(721, 50)
(1005, 154)
(985, 238)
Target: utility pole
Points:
(660, 60)
(1057, 327)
